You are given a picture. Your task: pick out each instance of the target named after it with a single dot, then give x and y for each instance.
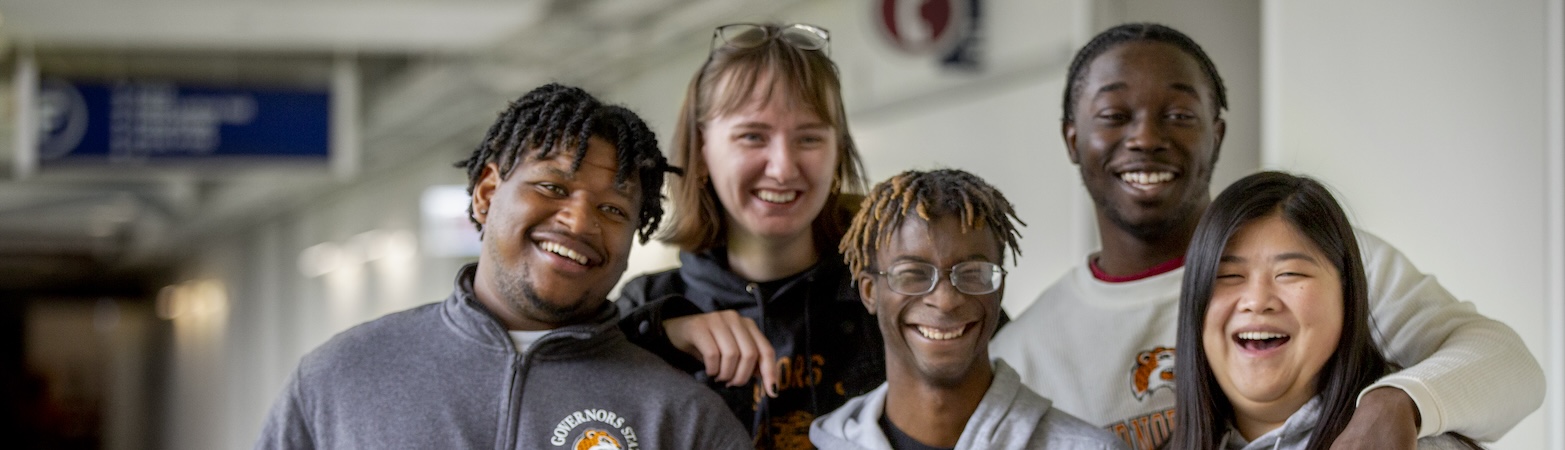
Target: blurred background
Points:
(194, 193)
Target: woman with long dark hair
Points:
(1274, 324)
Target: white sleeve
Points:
(1467, 373)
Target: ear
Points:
(483, 192)
(867, 291)
(1068, 131)
(1220, 128)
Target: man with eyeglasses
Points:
(926, 251)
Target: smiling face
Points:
(771, 164)
(1274, 320)
(940, 338)
(554, 241)
(1145, 137)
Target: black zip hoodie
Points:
(829, 348)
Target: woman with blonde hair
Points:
(771, 177)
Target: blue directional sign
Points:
(155, 122)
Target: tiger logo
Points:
(594, 439)
(1154, 370)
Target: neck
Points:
(758, 258)
(935, 415)
(488, 295)
(1256, 419)
(1126, 253)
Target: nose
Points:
(945, 297)
(576, 215)
(781, 162)
(1258, 296)
(1147, 135)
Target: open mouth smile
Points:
(1260, 340)
(778, 197)
(1146, 179)
(942, 334)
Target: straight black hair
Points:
(1202, 412)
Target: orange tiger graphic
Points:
(597, 440)
(1154, 370)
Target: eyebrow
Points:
(1186, 88)
(1177, 86)
(1279, 258)
(624, 189)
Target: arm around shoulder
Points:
(1466, 373)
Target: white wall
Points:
(1428, 119)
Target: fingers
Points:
(745, 352)
(690, 334)
(730, 346)
(768, 359)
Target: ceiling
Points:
(430, 72)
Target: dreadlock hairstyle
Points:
(929, 195)
(1138, 32)
(733, 79)
(555, 118)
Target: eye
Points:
(1229, 278)
(614, 211)
(751, 138)
(1113, 116)
(1181, 116)
(551, 189)
(812, 140)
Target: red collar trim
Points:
(1164, 267)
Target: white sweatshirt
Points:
(1104, 351)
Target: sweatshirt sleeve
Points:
(286, 425)
(641, 319)
(1467, 373)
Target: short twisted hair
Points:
(555, 118)
(1138, 32)
(928, 194)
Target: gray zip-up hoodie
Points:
(1294, 434)
(1010, 416)
(446, 375)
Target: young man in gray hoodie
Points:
(926, 250)
(526, 352)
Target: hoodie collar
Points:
(469, 318)
(1293, 433)
(711, 285)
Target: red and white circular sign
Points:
(924, 27)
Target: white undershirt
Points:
(525, 339)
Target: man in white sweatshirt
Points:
(1142, 121)
(926, 252)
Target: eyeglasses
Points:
(802, 36)
(971, 277)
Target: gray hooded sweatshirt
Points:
(1294, 434)
(446, 375)
(1010, 416)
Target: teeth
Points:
(1146, 177)
(1260, 335)
(562, 251)
(940, 334)
(777, 197)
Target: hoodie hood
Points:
(1006, 418)
(1294, 433)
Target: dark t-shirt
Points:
(900, 440)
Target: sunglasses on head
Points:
(802, 36)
